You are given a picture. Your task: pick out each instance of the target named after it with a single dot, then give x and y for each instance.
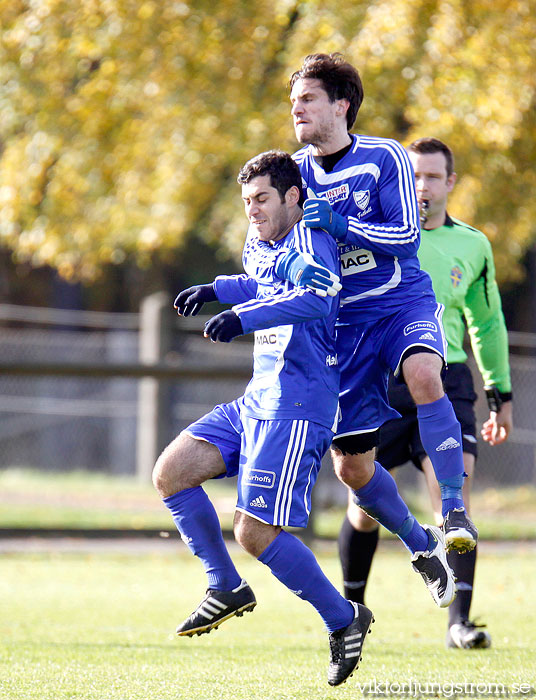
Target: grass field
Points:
(34, 499)
(100, 626)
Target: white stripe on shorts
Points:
(439, 315)
(289, 472)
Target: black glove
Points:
(223, 327)
(190, 301)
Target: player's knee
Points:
(163, 481)
(252, 535)
(354, 470)
(167, 471)
(345, 470)
(423, 378)
(243, 533)
(427, 389)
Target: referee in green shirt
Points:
(459, 260)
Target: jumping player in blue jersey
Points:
(275, 435)
(361, 191)
(459, 259)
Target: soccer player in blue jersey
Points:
(361, 191)
(459, 259)
(274, 436)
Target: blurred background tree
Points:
(123, 123)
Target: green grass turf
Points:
(100, 626)
(34, 499)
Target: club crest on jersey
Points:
(336, 194)
(362, 199)
(456, 276)
(420, 326)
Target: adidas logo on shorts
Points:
(426, 336)
(448, 444)
(258, 502)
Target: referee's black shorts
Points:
(400, 441)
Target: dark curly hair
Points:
(283, 171)
(338, 77)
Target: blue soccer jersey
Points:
(372, 186)
(295, 373)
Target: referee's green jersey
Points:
(459, 260)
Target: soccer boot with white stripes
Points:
(468, 635)
(432, 565)
(216, 607)
(460, 532)
(345, 645)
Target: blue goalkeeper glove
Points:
(223, 327)
(304, 270)
(190, 301)
(317, 213)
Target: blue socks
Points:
(441, 437)
(287, 557)
(292, 563)
(381, 500)
(199, 528)
(451, 493)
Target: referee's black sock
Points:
(356, 551)
(463, 566)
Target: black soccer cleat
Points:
(216, 607)
(345, 645)
(468, 635)
(461, 534)
(432, 565)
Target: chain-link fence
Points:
(67, 423)
(514, 462)
(91, 422)
(56, 422)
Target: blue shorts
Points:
(277, 461)
(368, 351)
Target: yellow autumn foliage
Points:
(123, 123)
